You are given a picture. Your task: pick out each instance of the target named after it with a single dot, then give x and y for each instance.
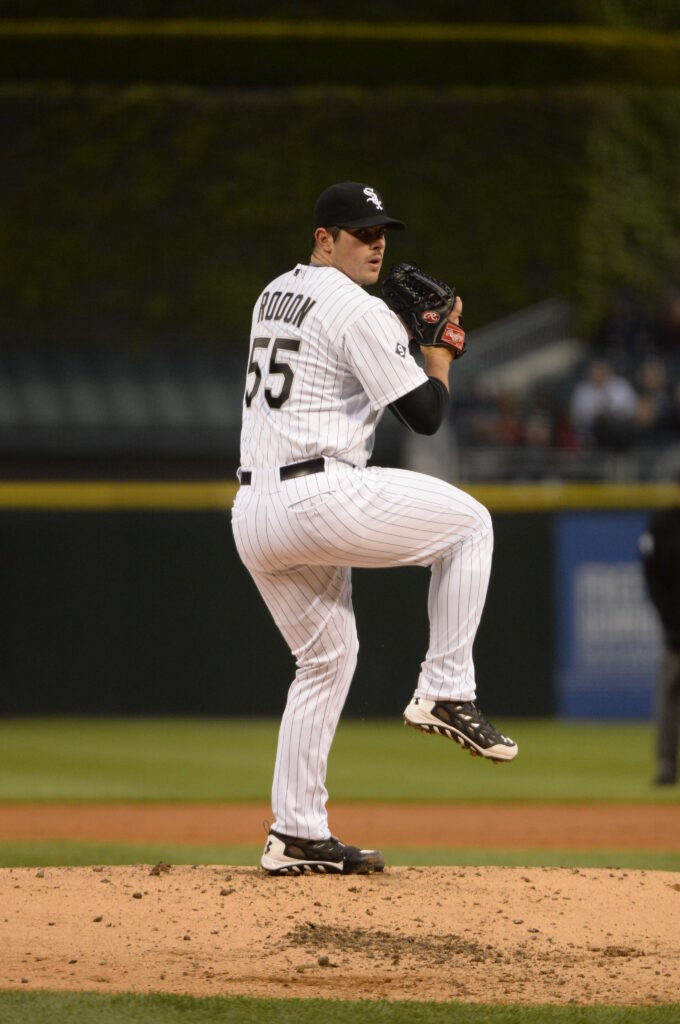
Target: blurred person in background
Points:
(667, 326)
(625, 333)
(602, 407)
(508, 424)
(674, 415)
(538, 429)
(487, 417)
(538, 440)
(655, 404)
(660, 551)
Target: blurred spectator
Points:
(655, 407)
(674, 415)
(660, 551)
(667, 327)
(507, 428)
(625, 334)
(538, 439)
(565, 435)
(603, 406)
(538, 429)
(487, 417)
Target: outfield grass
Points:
(232, 759)
(88, 1008)
(73, 853)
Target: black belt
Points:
(290, 472)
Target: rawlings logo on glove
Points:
(424, 304)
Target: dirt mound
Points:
(535, 935)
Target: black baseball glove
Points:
(424, 304)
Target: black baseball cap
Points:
(351, 204)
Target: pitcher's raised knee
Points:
(475, 521)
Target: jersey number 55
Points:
(274, 367)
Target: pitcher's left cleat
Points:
(462, 722)
(287, 855)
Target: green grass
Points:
(232, 759)
(649, 860)
(88, 1008)
(72, 853)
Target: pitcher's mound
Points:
(529, 935)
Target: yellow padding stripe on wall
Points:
(114, 494)
(35, 495)
(556, 496)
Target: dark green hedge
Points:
(140, 214)
(630, 225)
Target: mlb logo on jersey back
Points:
(401, 350)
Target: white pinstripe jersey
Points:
(326, 359)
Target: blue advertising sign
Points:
(608, 636)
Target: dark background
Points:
(152, 612)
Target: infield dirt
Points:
(538, 935)
(480, 826)
(528, 935)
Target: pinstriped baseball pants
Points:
(299, 540)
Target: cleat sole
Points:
(451, 734)
(367, 866)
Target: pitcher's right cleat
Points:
(286, 855)
(462, 722)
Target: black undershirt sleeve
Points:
(422, 409)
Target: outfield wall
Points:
(131, 599)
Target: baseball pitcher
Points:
(326, 359)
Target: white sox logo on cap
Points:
(431, 316)
(352, 204)
(373, 197)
